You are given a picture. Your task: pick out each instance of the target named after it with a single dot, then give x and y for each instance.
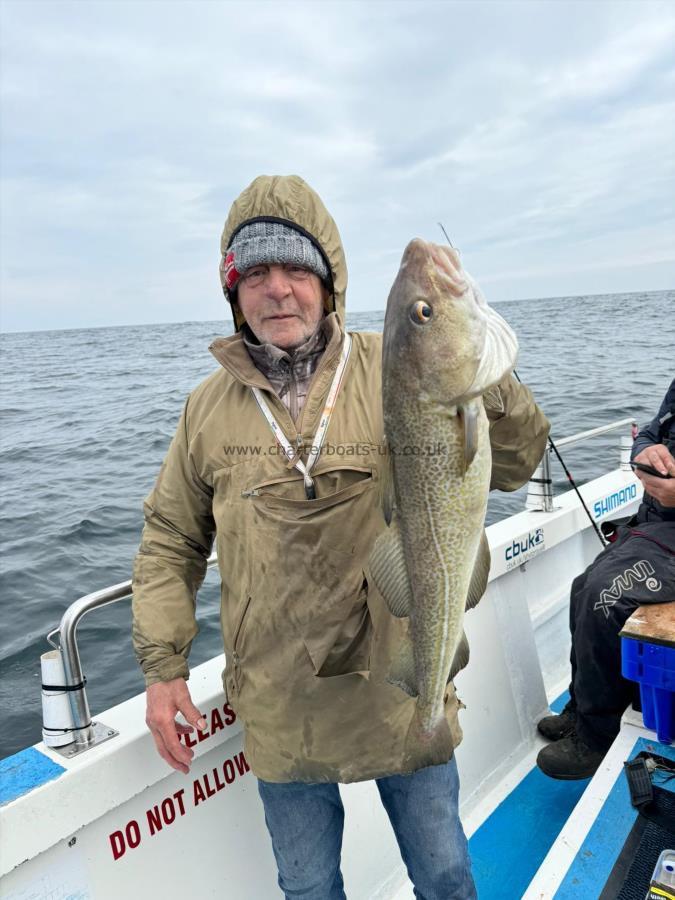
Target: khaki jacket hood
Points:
(289, 199)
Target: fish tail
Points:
(426, 745)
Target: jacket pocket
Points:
(285, 496)
(338, 643)
(329, 525)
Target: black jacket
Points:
(661, 430)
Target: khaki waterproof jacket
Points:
(308, 640)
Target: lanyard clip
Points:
(309, 488)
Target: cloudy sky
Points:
(540, 133)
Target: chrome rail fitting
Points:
(540, 487)
(84, 731)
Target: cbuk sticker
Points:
(523, 548)
(614, 501)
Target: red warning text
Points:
(163, 814)
(212, 782)
(217, 719)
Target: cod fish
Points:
(443, 348)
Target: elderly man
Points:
(307, 638)
(601, 600)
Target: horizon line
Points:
(359, 311)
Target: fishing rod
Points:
(553, 447)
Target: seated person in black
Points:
(638, 568)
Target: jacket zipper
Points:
(293, 399)
(236, 659)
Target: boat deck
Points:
(563, 840)
(511, 844)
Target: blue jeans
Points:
(305, 823)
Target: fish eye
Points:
(421, 313)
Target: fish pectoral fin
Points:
(402, 671)
(479, 576)
(469, 413)
(461, 658)
(388, 568)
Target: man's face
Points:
(282, 304)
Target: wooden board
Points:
(652, 622)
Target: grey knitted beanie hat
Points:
(270, 243)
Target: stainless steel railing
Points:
(540, 487)
(83, 734)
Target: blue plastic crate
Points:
(653, 667)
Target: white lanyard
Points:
(317, 443)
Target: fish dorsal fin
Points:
(479, 576)
(402, 670)
(469, 414)
(461, 657)
(388, 568)
(500, 350)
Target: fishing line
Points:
(440, 225)
(553, 447)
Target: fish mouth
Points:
(444, 263)
(437, 260)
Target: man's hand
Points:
(662, 489)
(164, 700)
